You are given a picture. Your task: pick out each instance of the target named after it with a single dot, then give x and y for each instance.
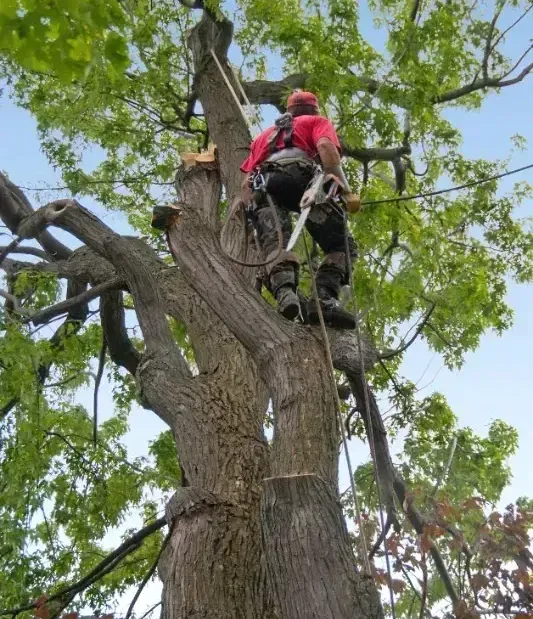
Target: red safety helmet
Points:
(302, 97)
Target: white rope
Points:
(251, 110)
(230, 87)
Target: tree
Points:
(255, 529)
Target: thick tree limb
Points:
(121, 350)
(30, 251)
(14, 207)
(56, 310)
(375, 154)
(389, 479)
(15, 301)
(265, 92)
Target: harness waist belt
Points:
(288, 153)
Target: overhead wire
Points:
(439, 192)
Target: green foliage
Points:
(65, 38)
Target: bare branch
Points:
(404, 347)
(104, 567)
(25, 249)
(517, 21)
(15, 301)
(121, 350)
(60, 308)
(14, 207)
(488, 44)
(375, 154)
(446, 468)
(265, 92)
(414, 10)
(192, 4)
(468, 89)
(150, 573)
(97, 381)
(517, 63)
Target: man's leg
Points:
(327, 228)
(283, 271)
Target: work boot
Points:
(283, 284)
(334, 315)
(288, 302)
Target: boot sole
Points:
(337, 320)
(291, 312)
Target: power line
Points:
(447, 190)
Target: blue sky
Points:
(495, 381)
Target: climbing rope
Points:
(331, 368)
(279, 232)
(327, 346)
(366, 398)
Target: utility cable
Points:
(448, 189)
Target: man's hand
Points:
(353, 202)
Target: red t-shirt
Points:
(306, 133)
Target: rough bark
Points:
(301, 518)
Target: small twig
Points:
(404, 347)
(511, 27)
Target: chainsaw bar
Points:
(298, 227)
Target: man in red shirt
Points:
(286, 154)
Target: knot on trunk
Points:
(188, 500)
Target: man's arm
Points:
(331, 162)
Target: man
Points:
(286, 155)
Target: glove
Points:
(353, 202)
